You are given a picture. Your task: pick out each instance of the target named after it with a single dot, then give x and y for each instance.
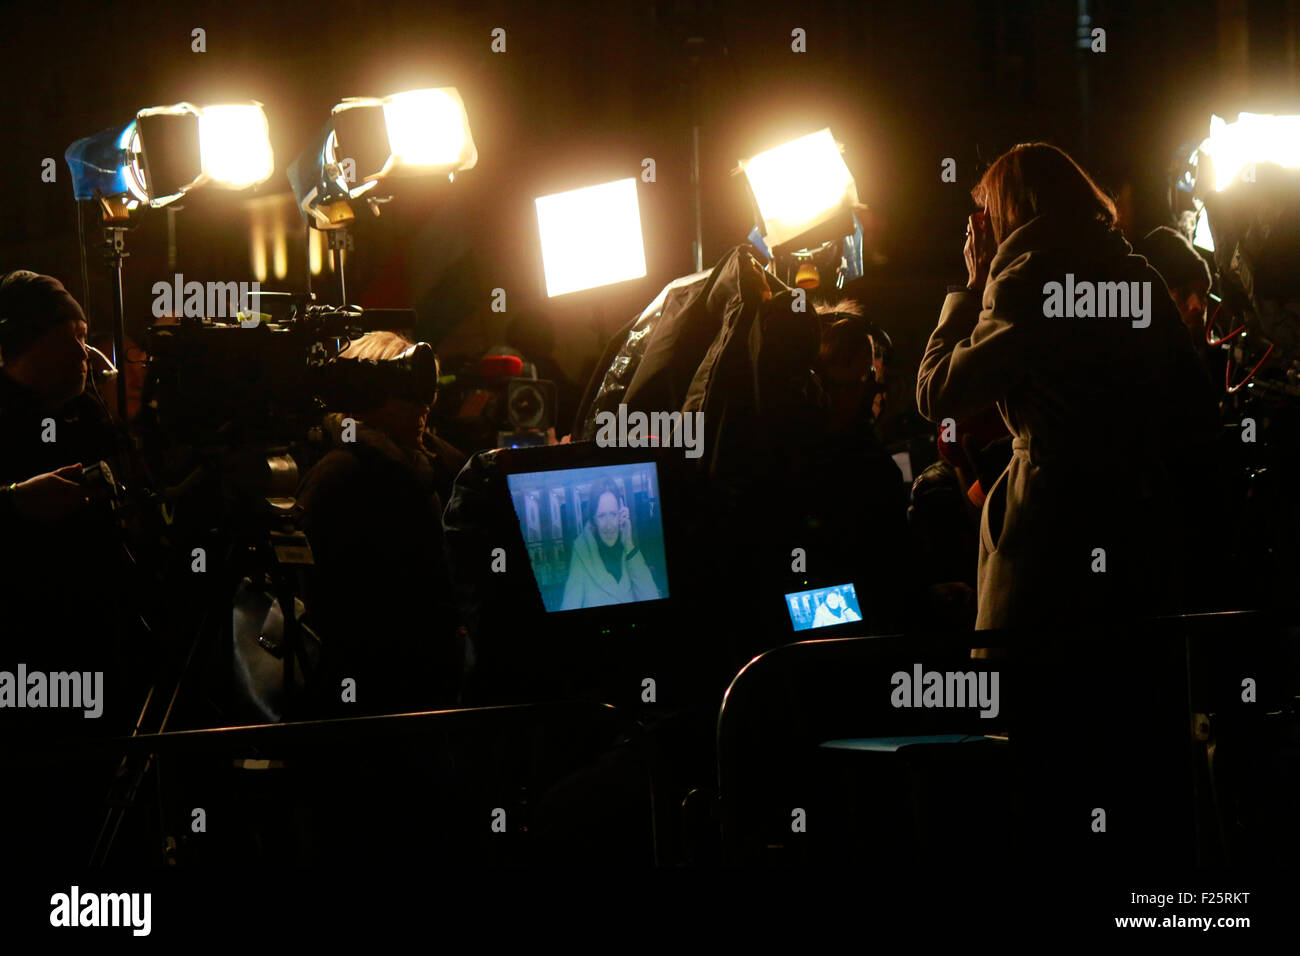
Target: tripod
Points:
(276, 555)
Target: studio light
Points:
(171, 157)
(1244, 187)
(235, 145)
(168, 150)
(805, 206)
(591, 237)
(1253, 140)
(368, 139)
(426, 131)
(800, 186)
(429, 128)
(155, 159)
(108, 164)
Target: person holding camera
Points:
(379, 593)
(61, 566)
(58, 550)
(48, 424)
(1111, 415)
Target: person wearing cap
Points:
(379, 596)
(378, 592)
(48, 425)
(1186, 275)
(60, 564)
(57, 548)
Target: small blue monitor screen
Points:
(823, 607)
(595, 536)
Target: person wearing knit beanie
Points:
(1185, 273)
(42, 337)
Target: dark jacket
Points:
(650, 362)
(739, 347)
(82, 432)
(446, 460)
(378, 594)
(59, 581)
(1111, 425)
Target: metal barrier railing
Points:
(243, 737)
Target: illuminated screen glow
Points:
(576, 524)
(823, 607)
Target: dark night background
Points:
(585, 90)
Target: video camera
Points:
(493, 406)
(244, 402)
(364, 383)
(230, 383)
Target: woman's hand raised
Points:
(979, 250)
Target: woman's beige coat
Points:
(1108, 415)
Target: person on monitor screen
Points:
(834, 610)
(606, 566)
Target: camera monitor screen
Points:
(823, 607)
(595, 536)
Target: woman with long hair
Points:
(607, 566)
(1073, 338)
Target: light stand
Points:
(116, 220)
(340, 240)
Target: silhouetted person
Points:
(378, 593)
(1111, 417)
(59, 551)
(854, 504)
(1186, 275)
(59, 569)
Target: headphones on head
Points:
(882, 346)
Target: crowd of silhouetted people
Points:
(1070, 459)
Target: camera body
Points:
(99, 482)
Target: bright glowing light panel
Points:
(235, 144)
(427, 128)
(591, 237)
(798, 185)
(1254, 138)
